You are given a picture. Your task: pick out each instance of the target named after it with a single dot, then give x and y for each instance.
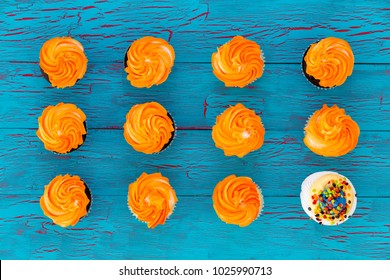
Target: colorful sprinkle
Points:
(332, 203)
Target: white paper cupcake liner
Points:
(306, 197)
(261, 203)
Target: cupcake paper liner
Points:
(307, 122)
(261, 202)
(306, 195)
(167, 145)
(89, 195)
(125, 57)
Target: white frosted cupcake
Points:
(328, 198)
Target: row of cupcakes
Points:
(327, 197)
(149, 129)
(148, 61)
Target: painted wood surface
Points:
(196, 27)
(194, 97)
(192, 162)
(193, 232)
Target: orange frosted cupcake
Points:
(152, 199)
(330, 132)
(238, 131)
(62, 61)
(237, 200)
(66, 199)
(149, 128)
(148, 61)
(62, 128)
(238, 63)
(328, 63)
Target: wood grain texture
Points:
(196, 28)
(194, 97)
(111, 232)
(192, 163)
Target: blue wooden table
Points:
(194, 97)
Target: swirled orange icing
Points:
(149, 61)
(152, 199)
(237, 200)
(330, 61)
(238, 131)
(238, 63)
(63, 60)
(148, 128)
(61, 127)
(65, 200)
(330, 132)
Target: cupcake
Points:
(62, 61)
(151, 199)
(238, 63)
(66, 199)
(330, 132)
(62, 128)
(328, 63)
(237, 200)
(148, 61)
(149, 128)
(238, 131)
(328, 198)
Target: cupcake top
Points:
(63, 60)
(65, 200)
(62, 128)
(237, 200)
(149, 61)
(238, 131)
(330, 132)
(238, 63)
(328, 198)
(152, 199)
(328, 62)
(148, 128)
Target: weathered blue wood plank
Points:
(192, 163)
(195, 97)
(193, 232)
(195, 28)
